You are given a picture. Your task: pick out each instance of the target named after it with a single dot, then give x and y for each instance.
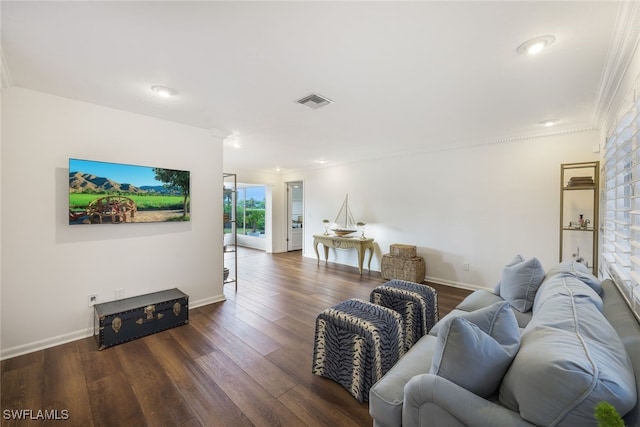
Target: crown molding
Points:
(5, 75)
(507, 139)
(458, 145)
(623, 46)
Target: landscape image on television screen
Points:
(114, 193)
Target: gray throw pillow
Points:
(475, 349)
(517, 259)
(520, 282)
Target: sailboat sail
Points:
(344, 223)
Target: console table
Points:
(336, 242)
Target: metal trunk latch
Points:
(148, 311)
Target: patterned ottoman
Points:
(416, 303)
(356, 343)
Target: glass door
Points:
(295, 214)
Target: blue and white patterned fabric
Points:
(356, 343)
(416, 303)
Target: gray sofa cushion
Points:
(570, 358)
(476, 300)
(565, 284)
(480, 298)
(520, 282)
(453, 313)
(486, 339)
(483, 298)
(579, 271)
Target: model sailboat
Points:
(344, 223)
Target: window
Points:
(620, 207)
(251, 211)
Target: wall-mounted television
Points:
(115, 193)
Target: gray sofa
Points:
(564, 342)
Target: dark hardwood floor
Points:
(242, 362)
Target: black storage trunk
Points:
(124, 320)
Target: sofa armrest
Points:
(430, 400)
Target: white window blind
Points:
(620, 203)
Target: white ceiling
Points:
(404, 76)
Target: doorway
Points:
(295, 215)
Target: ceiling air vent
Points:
(314, 101)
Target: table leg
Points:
(370, 256)
(361, 252)
(326, 253)
(315, 246)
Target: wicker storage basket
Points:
(403, 251)
(411, 269)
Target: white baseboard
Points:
(461, 285)
(206, 301)
(8, 353)
(432, 279)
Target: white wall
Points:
(480, 205)
(48, 267)
(2, 87)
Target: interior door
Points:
(295, 214)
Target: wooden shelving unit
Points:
(230, 251)
(579, 192)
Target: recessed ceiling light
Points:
(164, 91)
(321, 161)
(548, 123)
(533, 46)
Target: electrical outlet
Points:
(119, 293)
(466, 266)
(92, 299)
